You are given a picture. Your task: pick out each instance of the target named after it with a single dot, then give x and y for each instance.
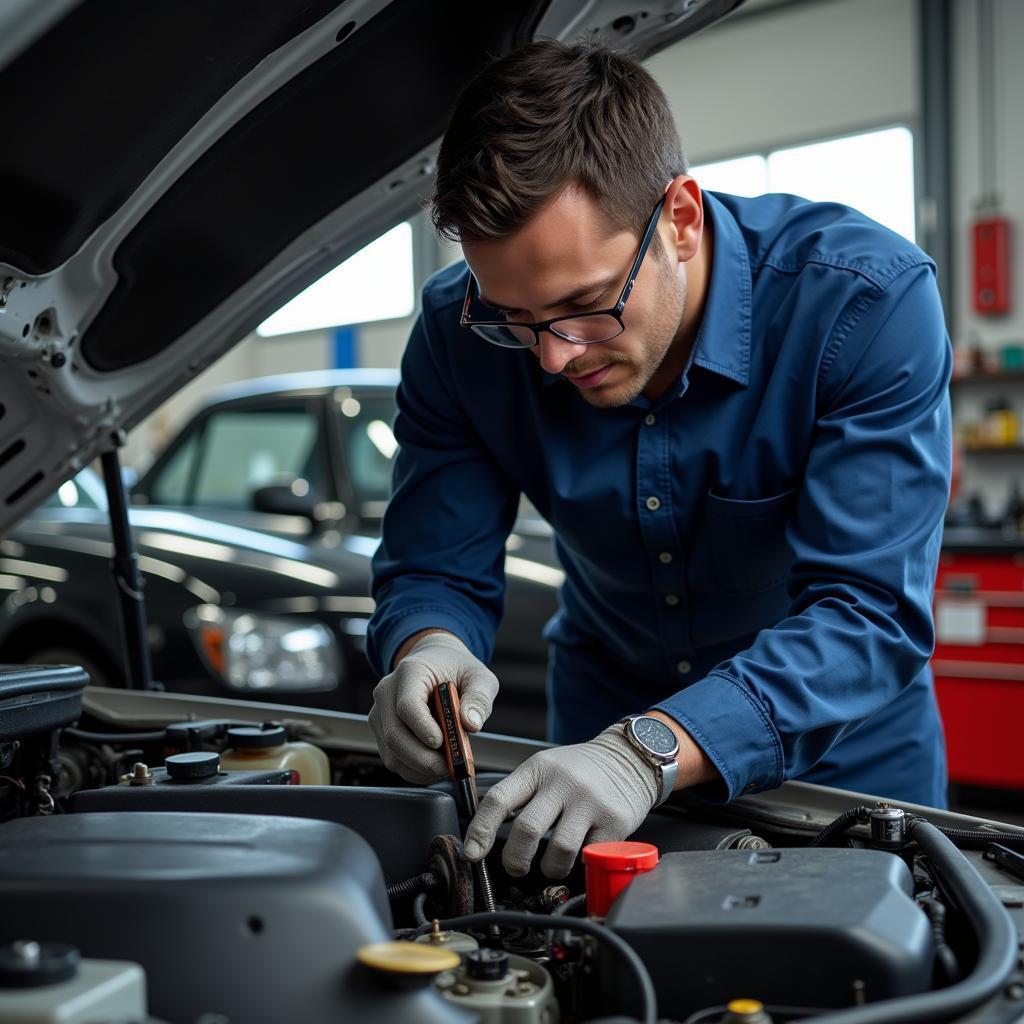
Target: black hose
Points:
(996, 936)
(978, 839)
(543, 922)
(425, 882)
(419, 911)
(946, 958)
(845, 821)
(570, 906)
(84, 736)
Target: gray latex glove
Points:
(401, 718)
(596, 792)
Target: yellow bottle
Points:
(266, 746)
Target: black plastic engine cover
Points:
(794, 927)
(39, 698)
(243, 917)
(400, 824)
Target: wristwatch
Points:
(658, 745)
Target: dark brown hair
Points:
(543, 117)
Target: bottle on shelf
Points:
(977, 354)
(1001, 426)
(1013, 516)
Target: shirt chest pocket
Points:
(739, 547)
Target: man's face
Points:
(566, 260)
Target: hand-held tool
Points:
(461, 772)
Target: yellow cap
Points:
(745, 1006)
(407, 958)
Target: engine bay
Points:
(222, 870)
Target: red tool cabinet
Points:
(979, 664)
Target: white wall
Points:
(793, 75)
(382, 343)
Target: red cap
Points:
(621, 856)
(610, 868)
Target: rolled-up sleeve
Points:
(865, 535)
(440, 563)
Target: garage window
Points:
(871, 171)
(374, 284)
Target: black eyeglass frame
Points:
(546, 325)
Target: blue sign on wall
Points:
(345, 347)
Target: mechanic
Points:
(734, 414)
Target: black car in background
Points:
(255, 528)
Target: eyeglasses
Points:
(585, 329)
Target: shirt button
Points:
(649, 419)
(684, 668)
(653, 504)
(665, 557)
(672, 599)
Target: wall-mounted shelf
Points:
(996, 377)
(996, 449)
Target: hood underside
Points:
(174, 171)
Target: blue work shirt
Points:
(753, 553)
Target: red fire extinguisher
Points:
(991, 258)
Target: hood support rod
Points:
(125, 564)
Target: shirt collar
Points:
(723, 340)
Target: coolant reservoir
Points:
(266, 746)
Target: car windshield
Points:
(370, 447)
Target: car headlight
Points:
(254, 651)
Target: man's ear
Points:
(683, 217)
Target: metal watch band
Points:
(669, 773)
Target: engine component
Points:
(202, 764)
(36, 701)
(610, 867)
(191, 735)
(502, 988)
(39, 699)
(457, 942)
(266, 746)
(27, 964)
(745, 1011)
(646, 1002)
(285, 902)
(448, 881)
(1009, 860)
(710, 924)
(888, 827)
(446, 853)
(400, 824)
(407, 964)
(199, 768)
(47, 983)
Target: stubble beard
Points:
(660, 334)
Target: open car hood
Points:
(174, 171)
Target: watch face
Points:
(656, 736)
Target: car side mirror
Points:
(294, 499)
